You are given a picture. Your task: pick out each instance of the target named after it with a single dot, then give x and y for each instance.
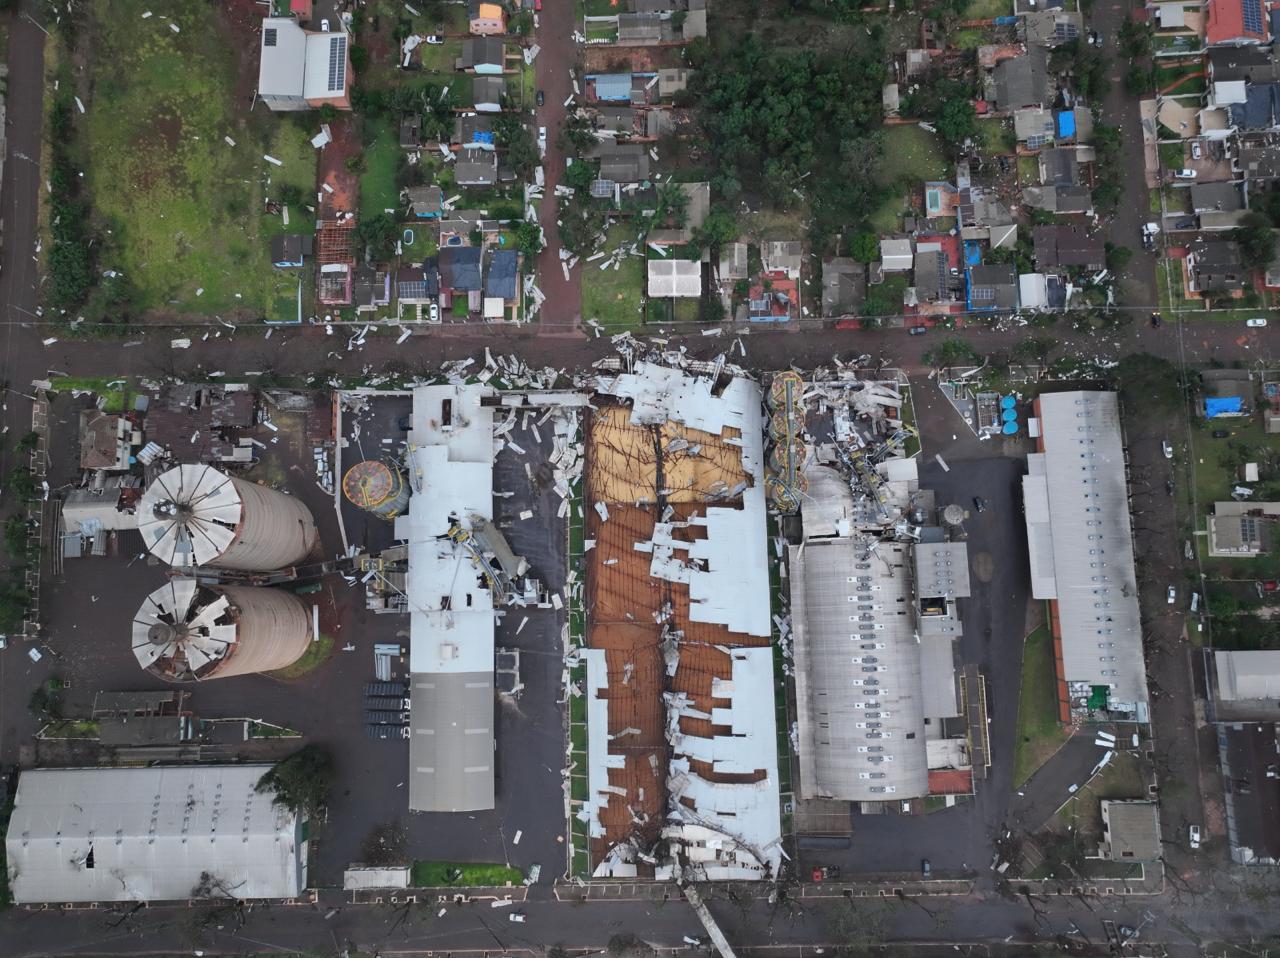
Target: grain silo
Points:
(376, 487)
(194, 515)
(188, 632)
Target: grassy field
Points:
(428, 874)
(1123, 778)
(1210, 457)
(1039, 734)
(614, 296)
(114, 392)
(997, 137)
(913, 153)
(968, 39)
(183, 207)
(381, 161)
(986, 9)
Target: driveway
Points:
(562, 311)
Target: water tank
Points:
(194, 515)
(376, 487)
(187, 632)
(953, 516)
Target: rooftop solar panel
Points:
(1252, 10)
(337, 62)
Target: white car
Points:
(1167, 448)
(1193, 837)
(1196, 151)
(517, 917)
(1256, 323)
(1172, 595)
(542, 139)
(435, 312)
(1184, 174)
(324, 26)
(435, 41)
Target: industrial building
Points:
(194, 515)
(1245, 685)
(682, 762)
(152, 835)
(187, 632)
(1081, 549)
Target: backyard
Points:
(615, 297)
(179, 209)
(1039, 734)
(910, 157)
(382, 154)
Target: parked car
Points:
(1196, 151)
(517, 917)
(1156, 320)
(917, 330)
(537, 6)
(542, 139)
(434, 312)
(1172, 595)
(541, 98)
(926, 870)
(1185, 224)
(435, 40)
(324, 26)
(1167, 448)
(1220, 434)
(979, 503)
(1193, 836)
(1184, 174)
(1256, 323)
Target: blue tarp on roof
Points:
(1223, 406)
(1066, 123)
(613, 86)
(482, 136)
(972, 253)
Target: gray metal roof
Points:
(1081, 544)
(149, 834)
(1248, 675)
(852, 623)
(1132, 830)
(451, 741)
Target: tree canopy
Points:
(302, 781)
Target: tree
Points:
(956, 120)
(302, 781)
(359, 58)
(1139, 79)
(1135, 39)
(1256, 239)
(952, 352)
(512, 135)
(1146, 380)
(1118, 257)
(529, 238)
(865, 247)
(377, 233)
(579, 175)
(719, 228)
(1036, 349)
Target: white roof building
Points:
(301, 69)
(151, 834)
(451, 614)
(1081, 547)
(896, 256)
(1248, 676)
(675, 277)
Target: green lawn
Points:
(1039, 733)
(1172, 155)
(614, 297)
(1210, 457)
(427, 874)
(986, 9)
(913, 154)
(113, 391)
(378, 181)
(184, 208)
(1028, 170)
(997, 136)
(968, 39)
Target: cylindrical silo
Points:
(194, 515)
(376, 487)
(187, 632)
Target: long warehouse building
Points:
(1081, 551)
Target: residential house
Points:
(775, 298)
(640, 29)
(1049, 28)
(371, 289)
(106, 441)
(303, 69)
(1236, 23)
(1260, 162)
(460, 275)
(1033, 291)
(1059, 166)
(896, 255)
(1022, 81)
(486, 18)
(782, 257)
(474, 132)
(501, 283)
(695, 20)
(485, 56)
(618, 120)
(1058, 199)
(931, 274)
(288, 250)
(1034, 125)
(425, 202)
(695, 214)
(733, 262)
(1069, 246)
(1223, 197)
(981, 215)
(418, 285)
(621, 162)
(992, 288)
(844, 286)
(1226, 394)
(611, 87)
(1242, 529)
(410, 131)
(487, 93)
(672, 80)
(680, 278)
(476, 168)
(336, 259)
(1213, 265)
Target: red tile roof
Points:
(950, 781)
(1226, 22)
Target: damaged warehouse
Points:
(682, 754)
